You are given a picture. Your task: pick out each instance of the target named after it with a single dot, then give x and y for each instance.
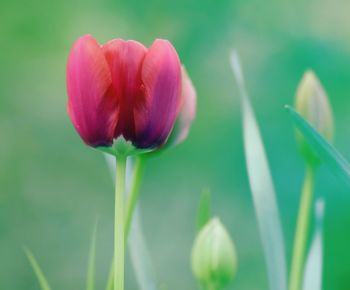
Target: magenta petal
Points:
(187, 111)
(91, 100)
(125, 61)
(161, 77)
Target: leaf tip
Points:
(320, 208)
(236, 67)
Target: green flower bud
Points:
(312, 103)
(214, 260)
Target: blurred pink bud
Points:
(124, 89)
(187, 111)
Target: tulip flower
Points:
(123, 89)
(124, 97)
(312, 103)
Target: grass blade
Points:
(204, 209)
(110, 281)
(139, 253)
(325, 151)
(314, 262)
(90, 283)
(262, 188)
(44, 285)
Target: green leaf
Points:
(262, 188)
(314, 262)
(90, 283)
(204, 209)
(110, 281)
(140, 256)
(44, 285)
(325, 151)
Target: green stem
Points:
(302, 230)
(132, 201)
(119, 224)
(134, 194)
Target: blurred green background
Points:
(52, 187)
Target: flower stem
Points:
(132, 201)
(302, 230)
(119, 224)
(134, 193)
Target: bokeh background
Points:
(52, 187)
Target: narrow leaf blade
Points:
(262, 188)
(325, 151)
(314, 262)
(90, 283)
(110, 282)
(140, 256)
(204, 209)
(44, 285)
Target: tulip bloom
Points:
(312, 103)
(123, 89)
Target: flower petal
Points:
(161, 76)
(125, 61)
(91, 100)
(187, 111)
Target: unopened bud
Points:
(312, 103)
(214, 260)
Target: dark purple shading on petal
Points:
(161, 77)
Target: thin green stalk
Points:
(132, 201)
(119, 224)
(302, 230)
(134, 194)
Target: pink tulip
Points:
(123, 89)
